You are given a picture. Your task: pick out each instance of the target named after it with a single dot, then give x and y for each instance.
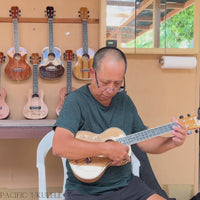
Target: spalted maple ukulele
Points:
(68, 56)
(35, 107)
(4, 109)
(17, 67)
(90, 170)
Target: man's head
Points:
(107, 74)
(115, 53)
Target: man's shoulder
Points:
(79, 94)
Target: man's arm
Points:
(162, 144)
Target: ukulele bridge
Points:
(18, 69)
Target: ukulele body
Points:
(4, 109)
(82, 68)
(35, 107)
(17, 67)
(51, 67)
(63, 94)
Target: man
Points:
(96, 107)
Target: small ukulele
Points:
(35, 107)
(90, 170)
(51, 66)
(17, 67)
(68, 56)
(4, 109)
(85, 55)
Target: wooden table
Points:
(21, 129)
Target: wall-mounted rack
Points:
(44, 20)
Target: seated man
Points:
(95, 107)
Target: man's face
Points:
(107, 81)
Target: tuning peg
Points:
(196, 131)
(188, 115)
(181, 117)
(79, 11)
(88, 11)
(19, 11)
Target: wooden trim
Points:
(44, 20)
(156, 23)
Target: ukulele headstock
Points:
(68, 55)
(191, 122)
(83, 13)
(2, 57)
(15, 12)
(50, 12)
(35, 59)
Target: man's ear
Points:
(92, 72)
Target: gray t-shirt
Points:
(81, 111)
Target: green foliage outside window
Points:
(178, 31)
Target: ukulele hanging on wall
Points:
(35, 107)
(4, 109)
(85, 55)
(68, 56)
(17, 67)
(51, 66)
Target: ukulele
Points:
(90, 170)
(51, 66)
(4, 109)
(35, 107)
(17, 67)
(68, 56)
(85, 55)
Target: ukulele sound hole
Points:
(17, 56)
(51, 56)
(85, 57)
(35, 95)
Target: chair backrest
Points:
(42, 150)
(44, 146)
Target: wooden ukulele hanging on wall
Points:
(35, 107)
(68, 56)
(51, 66)
(17, 67)
(4, 109)
(85, 55)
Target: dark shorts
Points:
(136, 190)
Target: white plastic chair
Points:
(42, 150)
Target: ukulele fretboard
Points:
(16, 37)
(146, 134)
